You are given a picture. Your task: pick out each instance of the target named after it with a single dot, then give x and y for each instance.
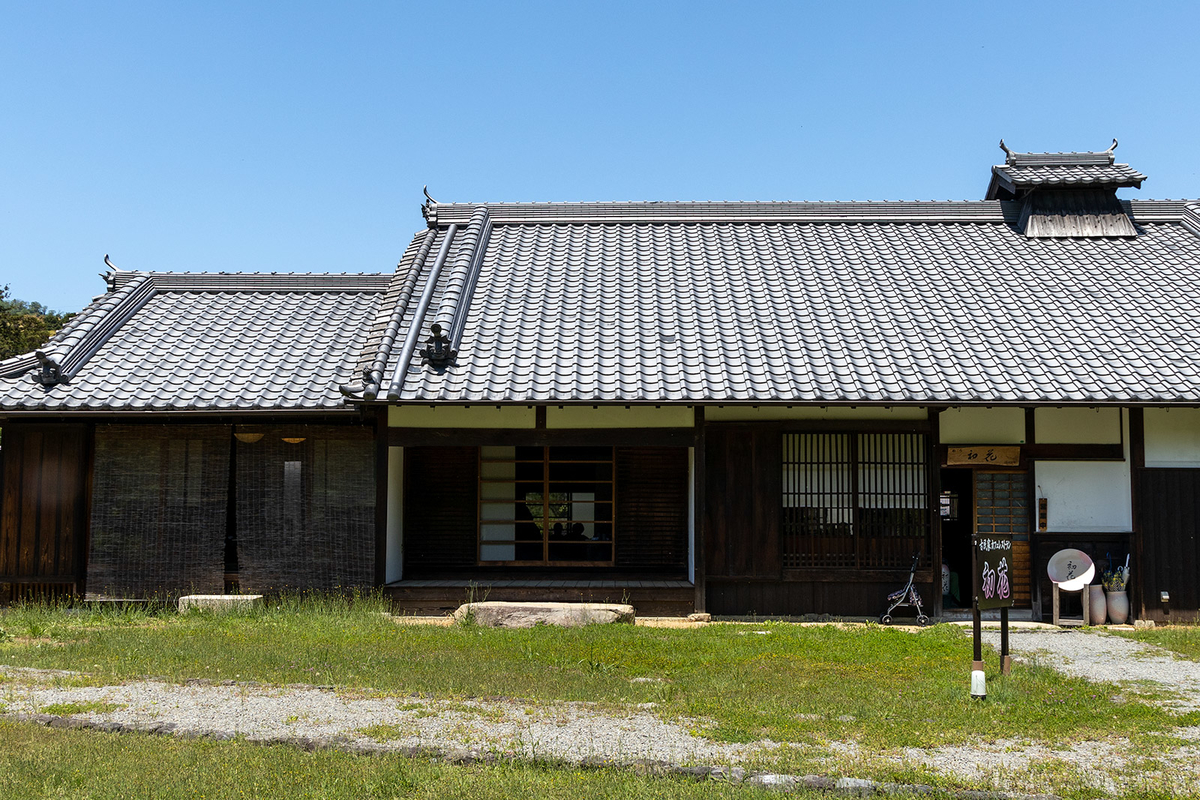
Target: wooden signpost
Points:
(992, 565)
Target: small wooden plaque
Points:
(984, 456)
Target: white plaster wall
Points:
(765, 413)
(982, 426)
(1077, 425)
(394, 553)
(1172, 437)
(620, 417)
(1086, 496)
(462, 416)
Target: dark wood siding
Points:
(652, 508)
(743, 524)
(43, 528)
(1168, 510)
(440, 508)
(860, 596)
(744, 474)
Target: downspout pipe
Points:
(414, 328)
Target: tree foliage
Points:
(26, 326)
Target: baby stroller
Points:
(907, 597)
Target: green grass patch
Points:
(1183, 640)
(881, 687)
(382, 733)
(38, 762)
(90, 707)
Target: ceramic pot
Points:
(1099, 608)
(1118, 608)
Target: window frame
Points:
(547, 502)
(857, 484)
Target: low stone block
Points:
(1140, 624)
(219, 602)
(500, 614)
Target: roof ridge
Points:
(374, 374)
(727, 211)
(259, 281)
(62, 360)
(456, 296)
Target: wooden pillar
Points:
(1035, 580)
(699, 510)
(381, 493)
(1137, 463)
(935, 515)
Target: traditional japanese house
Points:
(735, 407)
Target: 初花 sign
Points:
(984, 456)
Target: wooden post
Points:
(1005, 658)
(976, 620)
(699, 511)
(1137, 463)
(381, 493)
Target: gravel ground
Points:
(569, 731)
(579, 732)
(1101, 656)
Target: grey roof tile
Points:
(1062, 176)
(838, 303)
(211, 341)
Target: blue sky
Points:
(296, 136)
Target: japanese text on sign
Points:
(984, 456)
(993, 564)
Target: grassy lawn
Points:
(882, 688)
(1183, 640)
(38, 762)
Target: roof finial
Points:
(429, 207)
(1009, 154)
(1114, 146)
(111, 265)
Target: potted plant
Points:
(1115, 580)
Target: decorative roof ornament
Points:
(1009, 155)
(1113, 147)
(49, 370)
(429, 207)
(437, 352)
(108, 262)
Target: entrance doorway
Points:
(984, 501)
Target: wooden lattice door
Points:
(1002, 506)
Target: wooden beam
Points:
(833, 425)
(532, 437)
(1030, 427)
(1074, 452)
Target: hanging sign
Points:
(993, 571)
(984, 456)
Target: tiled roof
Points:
(1091, 170)
(1058, 175)
(810, 302)
(204, 341)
